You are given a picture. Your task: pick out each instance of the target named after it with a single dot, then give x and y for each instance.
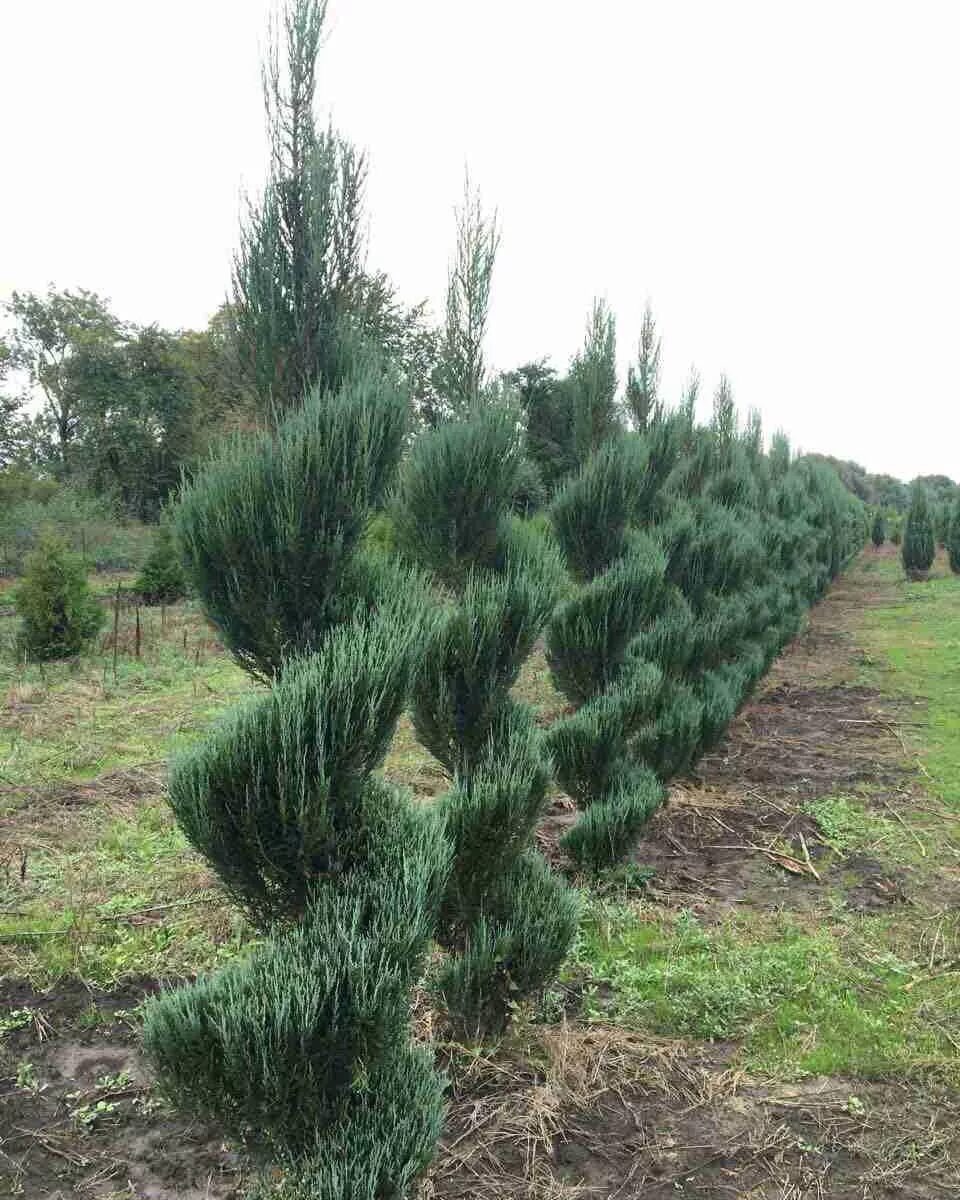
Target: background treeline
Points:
(100, 417)
(891, 497)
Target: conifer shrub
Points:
(694, 556)
(593, 512)
(597, 640)
(162, 579)
(271, 527)
(953, 538)
(506, 921)
(941, 523)
(878, 531)
(303, 1049)
(456, 493)
(59, 615)
(919, 547)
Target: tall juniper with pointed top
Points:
(643, 380)
(302, 294)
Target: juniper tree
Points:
(919, 548)
(878, 531)
(303, 1048)
(691, 394)
(547, 405)
(302, 295)
(780, 455)
(162, 579)
(506, 922)
(724, 425)
(953, 537)
(752, 435)
(594, 650)
(59, 615)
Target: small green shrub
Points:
(878, 531)
(59, 613)
(162, 579)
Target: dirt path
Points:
(740, 832)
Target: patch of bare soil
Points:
(77, 1117)
(607, 1114)
(564, 1112)
(738, 830)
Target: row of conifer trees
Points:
(922, 530)
(664, 576)
(664, 567)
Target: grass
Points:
(96, 880)
(95, 877)
(914, 641)
(75, 720)
(846, 824)
(831, 991)
(798, 1001)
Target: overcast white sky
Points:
(781, 179)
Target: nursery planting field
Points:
(765, 1003)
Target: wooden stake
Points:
(116, 631)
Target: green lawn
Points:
(915, 640)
